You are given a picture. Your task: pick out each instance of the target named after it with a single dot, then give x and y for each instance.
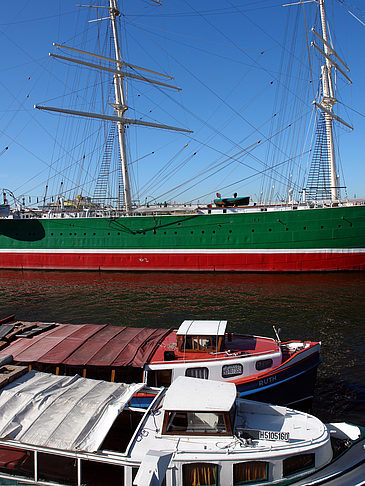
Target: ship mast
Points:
(120, 106)
(328, 101)
(328, 98)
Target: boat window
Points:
(246, 472)
(200, 343)
(17, 461)
(197, 373)
(159, 377)
(96, 473)
(57, 468)
(196, 423)
(263, 364)
(295, 464)
(208, 342)
(201, 474)
(232, 370)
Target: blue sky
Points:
(227, 58)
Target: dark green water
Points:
(326, 307)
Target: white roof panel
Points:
(194, 394)
(62, 412)
(202, 328)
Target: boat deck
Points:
(235, 344)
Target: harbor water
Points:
(320, 307)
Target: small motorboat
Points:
(262, 368)
(71, 430)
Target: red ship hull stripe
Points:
(284, 260)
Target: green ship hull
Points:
(256, 239)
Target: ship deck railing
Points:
(177, 210)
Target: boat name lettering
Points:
(268, 380)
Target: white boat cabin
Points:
(196, 408)
(201, 336)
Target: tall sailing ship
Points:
(319, 232)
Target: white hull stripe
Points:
(220, 251)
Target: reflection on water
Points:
(326, 307)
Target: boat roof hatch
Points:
(195, 394)
(202, 328)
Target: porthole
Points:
(202, 373)
(270, 229)
(295, 464)
(263, 364)
(253, 231)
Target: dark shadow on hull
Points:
(22, 230)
